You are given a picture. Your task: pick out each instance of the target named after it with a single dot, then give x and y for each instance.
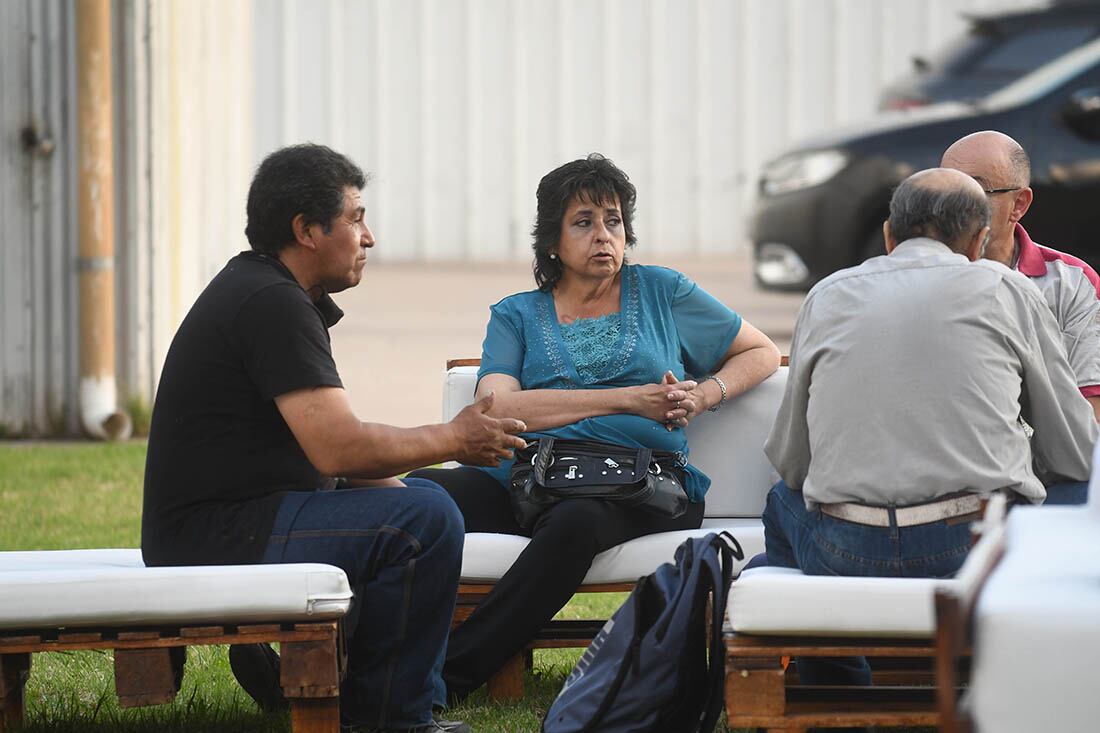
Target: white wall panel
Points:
(458, 107)
(191, 161)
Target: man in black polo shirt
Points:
(252, 423)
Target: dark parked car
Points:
(821, 206)
(995, 50)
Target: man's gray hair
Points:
(1021, 166)
(948, 215)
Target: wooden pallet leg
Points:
(310, 677)
(755, 687)
(315, 715)
(14, 670)
(507, 683)
(148, 676)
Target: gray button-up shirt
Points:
(907, 378)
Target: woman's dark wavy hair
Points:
(594, 179)
(303, 179)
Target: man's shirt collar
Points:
(1030, 261)
(330, 312)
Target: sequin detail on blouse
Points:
(550, 343)
(592, 343)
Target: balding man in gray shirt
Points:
(909, 376)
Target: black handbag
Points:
(549, 470)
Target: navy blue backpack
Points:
(655, 665)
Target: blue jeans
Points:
(401, 549)
(817, 544)
(1067, 492)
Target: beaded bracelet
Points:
(721, 386)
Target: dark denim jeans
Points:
(1067, 492)
(817, 544)
(401, 549)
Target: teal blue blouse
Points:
(665, 322)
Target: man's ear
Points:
(975, 250)
(890, 241)
(303, 233)
(1021, 204)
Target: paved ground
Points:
(404, 321)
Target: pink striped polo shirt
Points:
(1072, 289)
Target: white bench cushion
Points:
(487, 557)
(70, 588)
(1037, 626)
(728, 446)
(784, 602)
(1036, 647)
(1055, 540)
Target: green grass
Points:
(70, 495)
(77, 495)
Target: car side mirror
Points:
(1082, 112)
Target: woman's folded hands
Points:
(672, 402)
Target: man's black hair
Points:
(594, 179)
(302, 179)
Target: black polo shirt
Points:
(220, 454)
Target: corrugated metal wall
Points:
(459, 107)
(37, 251)
(183, 160)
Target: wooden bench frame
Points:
(762, 693)
(149, 664)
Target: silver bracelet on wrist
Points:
(721, 386)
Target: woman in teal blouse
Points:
(601, 350)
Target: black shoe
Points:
(256, 667)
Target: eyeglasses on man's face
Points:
(995, 191)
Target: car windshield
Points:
(1032, 49)
(990, 49)
(1046, 78)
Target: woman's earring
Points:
(553, 256)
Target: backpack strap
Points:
(633, 660)
(728, 548)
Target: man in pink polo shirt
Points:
(1069, 285)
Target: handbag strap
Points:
(543, 459)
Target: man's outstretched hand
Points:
(484, 440)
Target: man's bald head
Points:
(1001, 166)
(941, 204)
(992, 158)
